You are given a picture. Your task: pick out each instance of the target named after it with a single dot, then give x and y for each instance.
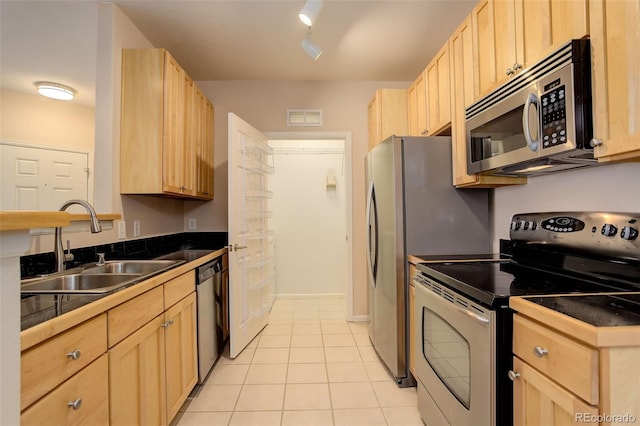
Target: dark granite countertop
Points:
(36, 309)
(599, 310)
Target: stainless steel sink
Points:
(97, 279)
(131, 267)
(79, 284)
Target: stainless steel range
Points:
(463, 323)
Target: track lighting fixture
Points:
(310, 48)
(310, 11)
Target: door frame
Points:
(348, 174)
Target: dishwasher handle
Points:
(209, 270)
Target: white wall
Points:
(308, 218)
(612, 187)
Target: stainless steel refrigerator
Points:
(413, 209)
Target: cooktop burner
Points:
(493, 282)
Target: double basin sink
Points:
(98, 278)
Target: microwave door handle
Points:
(532, 99)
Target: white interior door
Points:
(41, 178)
(251, 240)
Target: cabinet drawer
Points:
(45, 366)
(179, 287)
(569, 363)
(89, 389)
(130, 316)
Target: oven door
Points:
(455, 356)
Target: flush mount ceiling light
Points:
(310, 48)
(310, 11)
(55, 90)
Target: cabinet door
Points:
(438, 92)
(417, 106)
(537, 400)
(204, 157)
(173, 158)
(461, 51)
(615, 37)
(137, 381)
(181, 353)
(373, 124)
(544, 26)
(489, 50)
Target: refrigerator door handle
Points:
(372, 233)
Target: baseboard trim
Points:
(308, 296)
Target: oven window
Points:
(448, 354)
(501, 135)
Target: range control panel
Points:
(614, 234)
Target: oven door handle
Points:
(475, 316)
(532, 99)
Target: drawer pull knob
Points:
(513, 375)
(74, 355)
(540, 352)
(75, 404)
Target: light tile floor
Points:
(308, 367)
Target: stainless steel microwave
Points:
(538, 122)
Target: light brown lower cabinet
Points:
(180, 353)
(137, 389)
(81, 400)
(538, 400)
(153, 370)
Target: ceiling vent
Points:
(304, 117)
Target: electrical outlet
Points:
(193, 224)
(136, 228)
(122, 229)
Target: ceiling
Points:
(385, 40)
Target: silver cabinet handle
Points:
(513, 375)
(166, 324)
(517, 66)
(509, 71)
(595, 142)
(540, 352)
(75, 404)
(238, 247)
(74, 355)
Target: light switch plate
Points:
(193, 224)
(136, 228)
(122, 229)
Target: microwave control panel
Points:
(554, 117)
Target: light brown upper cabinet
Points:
(615, 37)
(438, 93)
(462, 95)
(417, 106)
(387, 115)
(166, 139)
(510, 35)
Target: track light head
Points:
(310, 11)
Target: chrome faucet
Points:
(60, 256)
